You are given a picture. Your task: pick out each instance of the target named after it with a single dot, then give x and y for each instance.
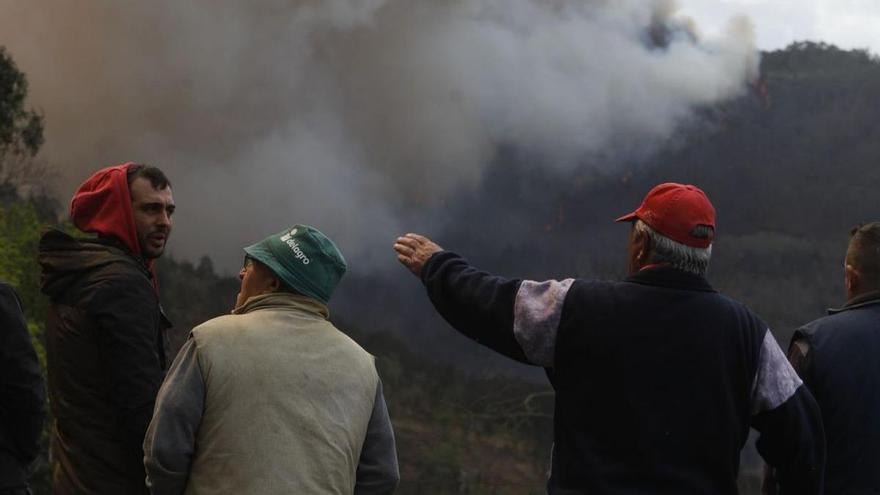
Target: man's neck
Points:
(857, 296)
(112, 241)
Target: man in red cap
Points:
(658, 377)
(105, 335)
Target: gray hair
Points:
(665, 250)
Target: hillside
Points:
(789, 173)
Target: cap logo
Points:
(294, 246)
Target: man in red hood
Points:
(106, 336)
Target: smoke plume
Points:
(354, 115)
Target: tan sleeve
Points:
(797, 355)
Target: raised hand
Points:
(414, 250)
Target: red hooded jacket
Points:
(102, 205)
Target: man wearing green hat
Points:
(273, 398)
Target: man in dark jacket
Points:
(22, 398)
(837, 357)
(105, 336)
(659, 377)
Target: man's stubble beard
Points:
(146, 251)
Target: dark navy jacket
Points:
(22, 396)
(842, 370)
(658, 378)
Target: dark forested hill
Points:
(790, 167)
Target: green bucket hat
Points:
(304, 258)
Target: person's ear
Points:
(643, 247)
(852, 278)
(275, 284)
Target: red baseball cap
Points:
(674, 210)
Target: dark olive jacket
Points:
(106, 353)
(22, 397)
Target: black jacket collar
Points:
(866, 299)
(670, 278)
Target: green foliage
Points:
(20, 228)
(21, 225)
(21, 130)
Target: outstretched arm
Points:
(517, 318)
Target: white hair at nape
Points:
(675, 254)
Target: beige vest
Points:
(287, 401)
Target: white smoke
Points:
(343, 113)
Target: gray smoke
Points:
(350, 115)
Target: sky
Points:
(345, 113)
(845, 23)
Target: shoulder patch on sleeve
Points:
(537, 313)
